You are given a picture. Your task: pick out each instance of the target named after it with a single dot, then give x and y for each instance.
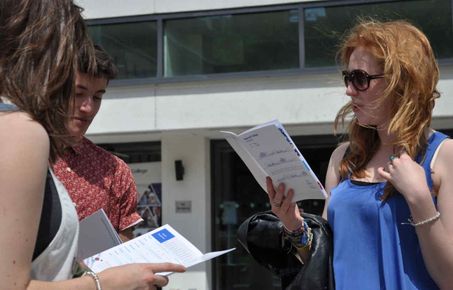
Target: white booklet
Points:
(96, 234)
(268, 150)
(163, 244)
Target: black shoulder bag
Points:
(262, 237)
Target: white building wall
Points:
(217, 104)
(193, 151)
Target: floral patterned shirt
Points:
(97, 179)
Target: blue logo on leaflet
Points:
(163, 235)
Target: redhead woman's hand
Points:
(137, 276)
(406, 175)
(286, 210)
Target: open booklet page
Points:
(268, 150)
(161, 245)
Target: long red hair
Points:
(411, 72)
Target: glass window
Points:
(231, 43)
(133, 47)
(135, 152)
(324, 26)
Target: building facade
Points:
(189, 69)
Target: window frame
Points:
(300, 71)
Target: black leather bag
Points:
(262, 237)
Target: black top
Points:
(50, 217)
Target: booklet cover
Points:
(268, 150)
(163, 244)
(96, 234)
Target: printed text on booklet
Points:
(161, 245)
(268, 150)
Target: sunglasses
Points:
(360, 79)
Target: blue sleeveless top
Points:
(372, 248)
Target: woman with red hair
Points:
(390, 185)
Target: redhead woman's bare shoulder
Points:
(333, 173)
(444, 158)
(338, 153)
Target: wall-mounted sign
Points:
(183, 206)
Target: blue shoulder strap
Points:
(7, 107)
(425, 161)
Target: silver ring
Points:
(392, 157)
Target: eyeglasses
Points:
(360, 79)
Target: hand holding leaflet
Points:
(161, 245)
(268, 150)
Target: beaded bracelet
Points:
(300, 238)
(95, 278)
(297, 232)
(423, 222)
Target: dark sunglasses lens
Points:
(360, 80)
